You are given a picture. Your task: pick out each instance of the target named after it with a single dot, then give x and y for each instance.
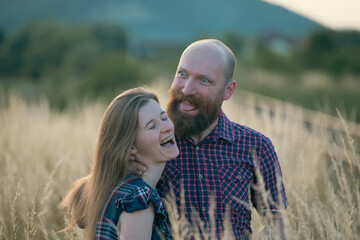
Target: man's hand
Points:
(135, 167)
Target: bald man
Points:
(218, 158)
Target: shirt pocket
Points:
(235, 184)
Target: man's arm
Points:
(269, 193)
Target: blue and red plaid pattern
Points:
(223, 165)
(130, 195)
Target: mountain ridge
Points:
(163, 20)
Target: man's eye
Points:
(152, 126)
(182, 73)
(204, 80)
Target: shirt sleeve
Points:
(268, 192)
(139, 199)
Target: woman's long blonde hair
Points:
(116, 137)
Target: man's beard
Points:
(186, 125)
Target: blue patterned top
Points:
(130, 195)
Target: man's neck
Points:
(198, 138)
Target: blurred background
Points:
(62, 61)
(69, 51)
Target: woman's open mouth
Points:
(167, 142)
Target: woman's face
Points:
(155, 140)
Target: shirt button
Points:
(162, 177)
(239, 177)
(200, 176)
(197, 148)
(203, 209)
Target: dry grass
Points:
(43, 151)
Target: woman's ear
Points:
(133, 150)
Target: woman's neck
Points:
(153, 174)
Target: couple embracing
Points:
(193, 150)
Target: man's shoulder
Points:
(233, 131)
(240, 130)
(243, 133)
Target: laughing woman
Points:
(108, 203)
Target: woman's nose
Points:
(167, 126)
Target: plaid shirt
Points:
(131, 194)
(222, 166)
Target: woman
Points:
(108, 200)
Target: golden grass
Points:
(43, 151)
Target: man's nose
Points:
(189, 88)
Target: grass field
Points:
(42, 151)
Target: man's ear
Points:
(229, 90)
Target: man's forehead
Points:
(205, 53)
(199, 60)
(204, 49)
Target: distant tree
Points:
(2, 36)
(46, 47)
(234, 42)
(111, 73)
(318, 46)
(266, 57)
(110, 37)
(12, 54)
(336, 52)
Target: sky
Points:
(335, 14)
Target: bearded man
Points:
(218, 159)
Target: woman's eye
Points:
(152, 126)
(163, 116)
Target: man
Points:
(219, 159)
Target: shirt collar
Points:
(224, 128)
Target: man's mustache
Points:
(180, 97)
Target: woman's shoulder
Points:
(127, 186)
(140, 198)
(132, 194)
